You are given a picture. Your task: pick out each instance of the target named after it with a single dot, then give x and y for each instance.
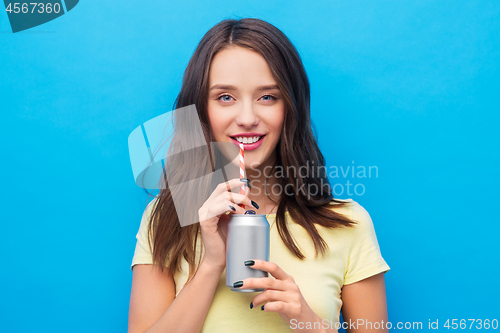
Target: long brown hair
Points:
(297, 146)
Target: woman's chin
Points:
(254, 163)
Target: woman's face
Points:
(245, 104)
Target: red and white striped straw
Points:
(242, 171)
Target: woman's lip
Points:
(249, 146)
(247, 134)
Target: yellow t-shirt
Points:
(353, 255)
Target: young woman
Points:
(249, 84)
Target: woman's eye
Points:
(224, 99)
(269, 97)
(227, 98)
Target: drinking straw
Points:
(242, 171)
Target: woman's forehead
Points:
(238, 67)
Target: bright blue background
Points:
(407, 86)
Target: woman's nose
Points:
(247, 116)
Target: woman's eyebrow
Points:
(230, 87)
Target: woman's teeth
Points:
(245, 139)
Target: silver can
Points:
(247, 239)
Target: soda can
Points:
(247, 238)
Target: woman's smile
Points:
(250, 141)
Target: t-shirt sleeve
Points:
(142, 254)
(365, 259)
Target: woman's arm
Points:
(151, 295)
(364, 302)
(154, 307)
(186, 313)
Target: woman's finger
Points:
(235, 209)
(227, 186)
(225, 207)
(278, 306)
(239, 199)
(270, 267)
(261, 283)
(222, 207)
(270, 295)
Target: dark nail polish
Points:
(251, 305)
(249, 263)
(247, 181)
(262, 308)
(255, 204)
(234, 209)
(237, 284)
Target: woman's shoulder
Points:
(146, 215)
(342, 204)
(352, 204)
(151, 205)
(353, 209)
(338, 201)
(363, 223)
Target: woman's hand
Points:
(213, 220)
(282, 294)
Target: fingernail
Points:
(251, 305)
(262, 308)
(255, 204)
(247, 181)
(249, 263)
(234, 209)
(237, 284)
